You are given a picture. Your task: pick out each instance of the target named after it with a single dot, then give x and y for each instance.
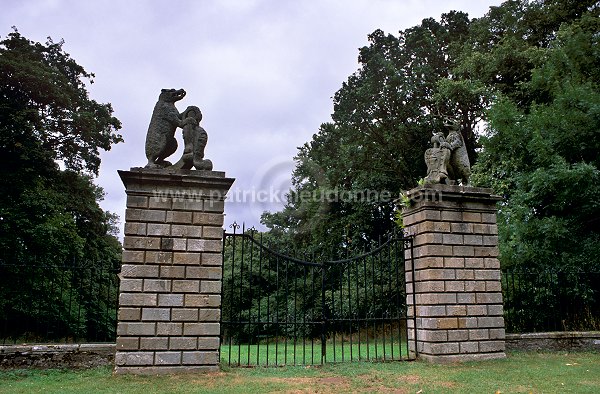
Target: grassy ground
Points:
(309, 352)
(520, 373)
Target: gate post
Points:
(169, 296)
(458, 293)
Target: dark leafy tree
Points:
(50, 217)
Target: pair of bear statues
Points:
(161, 142)
(447, 161)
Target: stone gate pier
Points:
(169, 301)
(456, 277)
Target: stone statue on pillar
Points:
(160, 139)
(448, 161)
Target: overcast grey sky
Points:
(262, 71)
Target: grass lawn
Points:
(309, 352)
(521, 373)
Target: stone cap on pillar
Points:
(455, 193)
(200, 182)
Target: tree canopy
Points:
(51, 134)
(523, 82)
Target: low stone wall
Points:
(72, 356)
(543, 341)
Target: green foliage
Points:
(50, 217)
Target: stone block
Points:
(432, 335)
(431, 310)
(479, 334)
(135, 228)
(202, 300)
(490, 321)
(485, 229)
(462, 228)
(486, 251)
(491, 263)
(214, 206)
(454, 286)
(495, 310)
(458, 335)
(186, 286)
(441, 348)
(497, 334)
(159, 229)
(136, 329)
(181, 230)
(204, 245)
(453, 239)
(200, 358)
(474, 217)
(488, 218)
(467, 322)
(131, 285)
(492, 275)
(170, 300)
(156, 257)
(160, 203)
(203, 273)
(183, 343)
(472, 286)
(436, 298)
(208, 343)
(184, 314)
(133, 256)
(155, 343)
(167, 358)
(137, 201)
(465, 274)
(201, 329)
(490, 240)
(210, 287)
(492, 346)
(141, 243)
(429, 286)
(474, 262)
(451, 216)
(186, 258)
(435, 274)
(210, 232)
(157, 285)
(489, 298)
(454, 262)
(493, 286)
(475, 240)
(129, 314)
(134, 358)
(128, 343)
(152, 216)
(137, 299)
(469, 347)
(172, 272)
(179, 217)
(175, 244)
(156, 314)
(169, 329)
(463, 251)
(476, 310)
(466, 298)
(456, 310)
(212, 259)
(209, 315)
(432, 250)
(429, 226)
(208, 219)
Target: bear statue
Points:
(160, 140)
(194, 139)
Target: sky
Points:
(263, 72)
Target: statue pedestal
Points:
(456, 277)
(170, 290)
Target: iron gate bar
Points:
(340, 280)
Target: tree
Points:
(50, 216)
(349, 173)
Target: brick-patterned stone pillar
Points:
(169, 301)
(458, 295)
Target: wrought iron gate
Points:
(281, 308)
